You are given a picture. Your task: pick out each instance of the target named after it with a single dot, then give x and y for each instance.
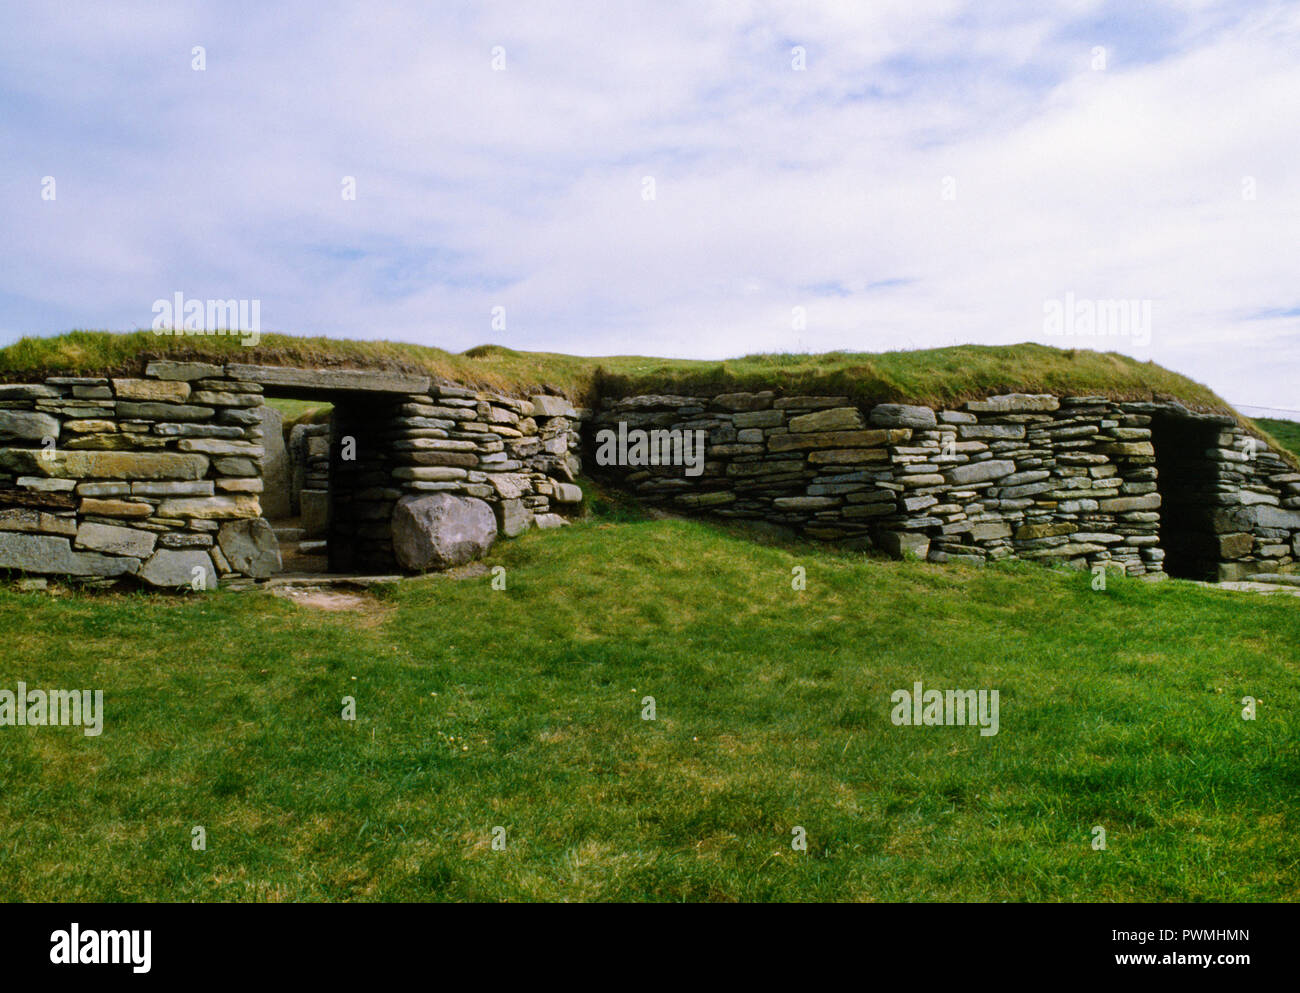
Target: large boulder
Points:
(438, 531)
(250, 547)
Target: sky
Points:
(698, 179)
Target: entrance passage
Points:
(1187, 479)
(332, 501)
(332, 506)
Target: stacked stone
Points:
(159, 476)
(156, 477)
(1045, 478)
(309, 450)
(1256, 501)
(809, 462)
(516, 454)
(1021, 475)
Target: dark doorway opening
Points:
(362, 494)
(334, 498)
(1186, 479)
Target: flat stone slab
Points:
(211, 508)
(104, 465)
(347, 380)
(173, 568)
(1281, 579)
(1014, 403)
(54, 556)
(165, 391)
(551, 406)
(1250, 586)
(26, 425)
(330, 580)
(901, 415)
(830, 419)
(250, 546)
(166, 369)
(115, 540)
(980, 472)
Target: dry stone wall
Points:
(1041, 477)
(158, 477)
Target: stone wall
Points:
(309, 458)
(1027, 476)
(158, 476)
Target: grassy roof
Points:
(935, 376)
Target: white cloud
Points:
(523, 188)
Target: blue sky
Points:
(937, 173)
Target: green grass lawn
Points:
(522, 708)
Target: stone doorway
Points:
(295, 475)
(1187, 478)
(328, 488)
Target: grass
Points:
(306, 411)
(935, 376)
(1287, 433)
(295, 412)
(522, 708)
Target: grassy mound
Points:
(934, 376)
(522, 708)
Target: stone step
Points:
(1281, 579)
(312, 547)
(288, 535)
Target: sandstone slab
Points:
(551, 406)
(104, 465)
(831, 419)
(115, 540)
(165, 369)
(837, 439)
(54, 556)
(902, 544)
(166, 391)
(176, 568)
(314, 508)
(27, 425)
(210, 508)
(145, 410)
(901, 415)
(276, 473)
(341, 380)
(980, 472)
(250, 546)
(513, 518)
